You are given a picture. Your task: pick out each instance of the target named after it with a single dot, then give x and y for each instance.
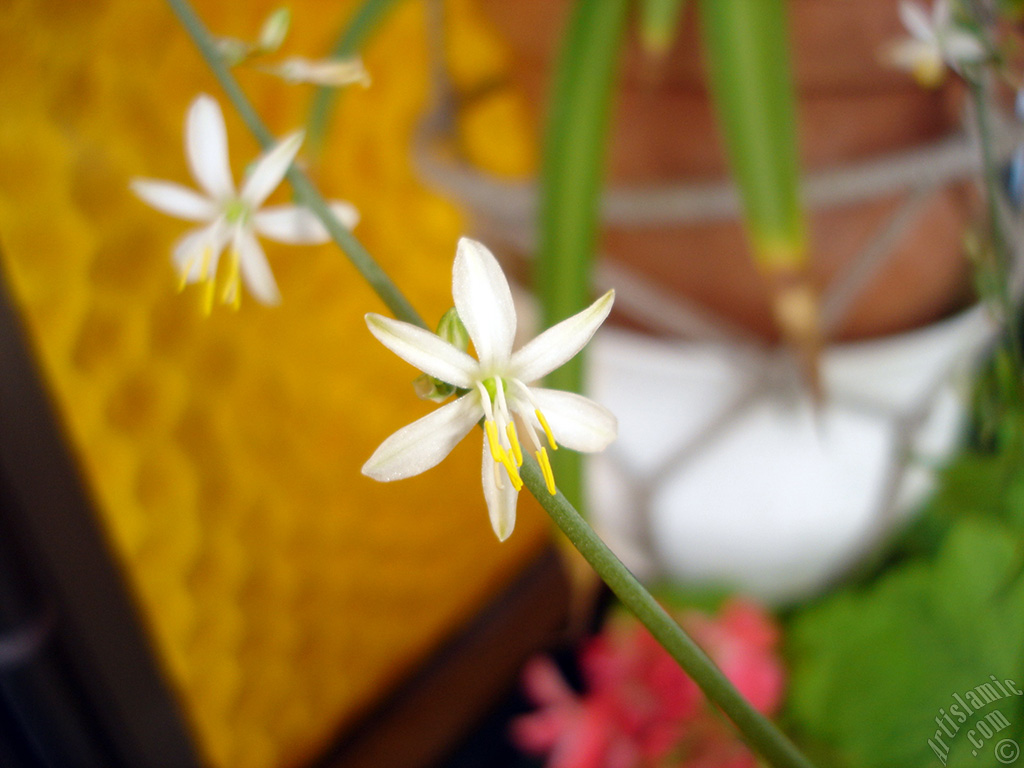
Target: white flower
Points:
(935, 42)
(231, 219)
(495, 388)
(329, 72)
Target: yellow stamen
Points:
(500, 455)
(547, 430)
(545, 468)
(497, 451)
(929, 72)
(513, 473)
(232, 290)
(208, 297)
(183, 280)
(513, 440)
(204, 274)
(205, 268)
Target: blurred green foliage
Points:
(874, 664)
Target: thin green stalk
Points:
(305, 192)
(758, 731)
(364, 22)
(999, 245)
(572, 168)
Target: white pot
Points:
(774, 497)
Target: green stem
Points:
(758, 731)
(573, 164)
(363, 23)
(989, 171)
(305, 192)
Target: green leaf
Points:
(659, 21)
(748, 54)
(873, 668)
(571, 175)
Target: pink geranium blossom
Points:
(639, 708)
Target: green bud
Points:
(274, 30)
(452, 330)
(234, 52)
(429, 388)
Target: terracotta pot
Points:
(851, 108)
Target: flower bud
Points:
(274, 30)
(451, 329)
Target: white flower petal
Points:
(424, 443)
(255, 269)
(576, 422)
(345, 212)
(206, 147)
(424, 350)
(916, 20)
(942, 14)
(559, 343)
(501, 502)
(290, 224)
(330, 72)
(188, 253)
(911, 54)
(270, 168)
(962, 47)
(296, 225)
(174, 199)
(484, 302)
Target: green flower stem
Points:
(980, 97)
(305, 192)
(573, 164)
(758, 731)
(363, 23)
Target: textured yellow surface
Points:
(494, 128)
(283, 590)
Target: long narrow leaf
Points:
(572, 169)
(752, 84)
(659, 21)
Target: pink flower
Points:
(639, 708)
(742, 642)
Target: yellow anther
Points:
(547, 430)
(500, 455)
(204, 275)
(205, 268)
(513, 440)
(183, 280)
(513, 473)
(929, 72)
(232, 289)
(210, 290)
(545, 468)
(497, 450)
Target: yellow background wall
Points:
(284, 592)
